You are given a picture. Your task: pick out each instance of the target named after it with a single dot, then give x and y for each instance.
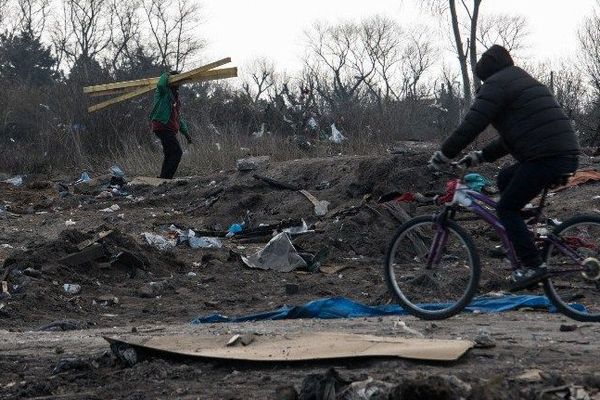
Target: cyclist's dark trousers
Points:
(172, 152)
(519, 184)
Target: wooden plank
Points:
(201, 77)
(153, 81)
(112, 92)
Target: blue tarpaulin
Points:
(340, 307)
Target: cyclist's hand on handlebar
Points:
(438, 161)
(472, 159)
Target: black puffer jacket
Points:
(528, 118)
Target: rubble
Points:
(252, 163)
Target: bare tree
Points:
(3, 12)
(171, 24)
(509, 31)
(417, 59)
(466, 52)
(259, 79)
(33, 15)
(589, 40)
(126, 30)
(85, 29)
(382, 39)
(338, 61)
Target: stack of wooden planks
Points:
(129, 89)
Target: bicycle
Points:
(433, 260)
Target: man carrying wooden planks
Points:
(167, 121)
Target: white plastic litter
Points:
(336, 135)
(158, 241)
(15, 181)
(205, 243)
(113, 208)
(295, 230)
(70, 222)
(72, 288)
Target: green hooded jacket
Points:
(163, 99)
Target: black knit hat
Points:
(493, 60)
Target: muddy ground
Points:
(161, 291)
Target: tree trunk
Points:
(473, 42)
(462, 58)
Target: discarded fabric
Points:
(340, 307)
(279, 255)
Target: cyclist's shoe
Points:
(524, 278)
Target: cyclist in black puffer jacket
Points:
(534, 129)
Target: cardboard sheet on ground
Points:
(312, 346)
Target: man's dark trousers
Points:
(519, 184)
(172, 153)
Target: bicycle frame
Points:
(465, 198)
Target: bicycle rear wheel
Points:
(576, 294)
(435, 287)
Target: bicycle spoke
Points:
(446, 281)
(570, 284)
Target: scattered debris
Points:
(252, 163)
(320, 205)
(235, 229)
(243, 339)
(402, 325)
(83, 178)
(106, 300)
(15, 181)
(323, 386)
(113, 208)
(125, 353)
(336, 135)
(72, 288)
(71, 363)
(368, 389)
(62, 325)
(158, 241)
(99, 236)
(530, 376)
(204, 242)
(484, 340)
(279, 254)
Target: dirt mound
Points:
(94, 267)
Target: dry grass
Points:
(219, 152)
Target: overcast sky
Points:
(244, 29)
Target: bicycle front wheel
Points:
(432, 273)
(576, 294)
